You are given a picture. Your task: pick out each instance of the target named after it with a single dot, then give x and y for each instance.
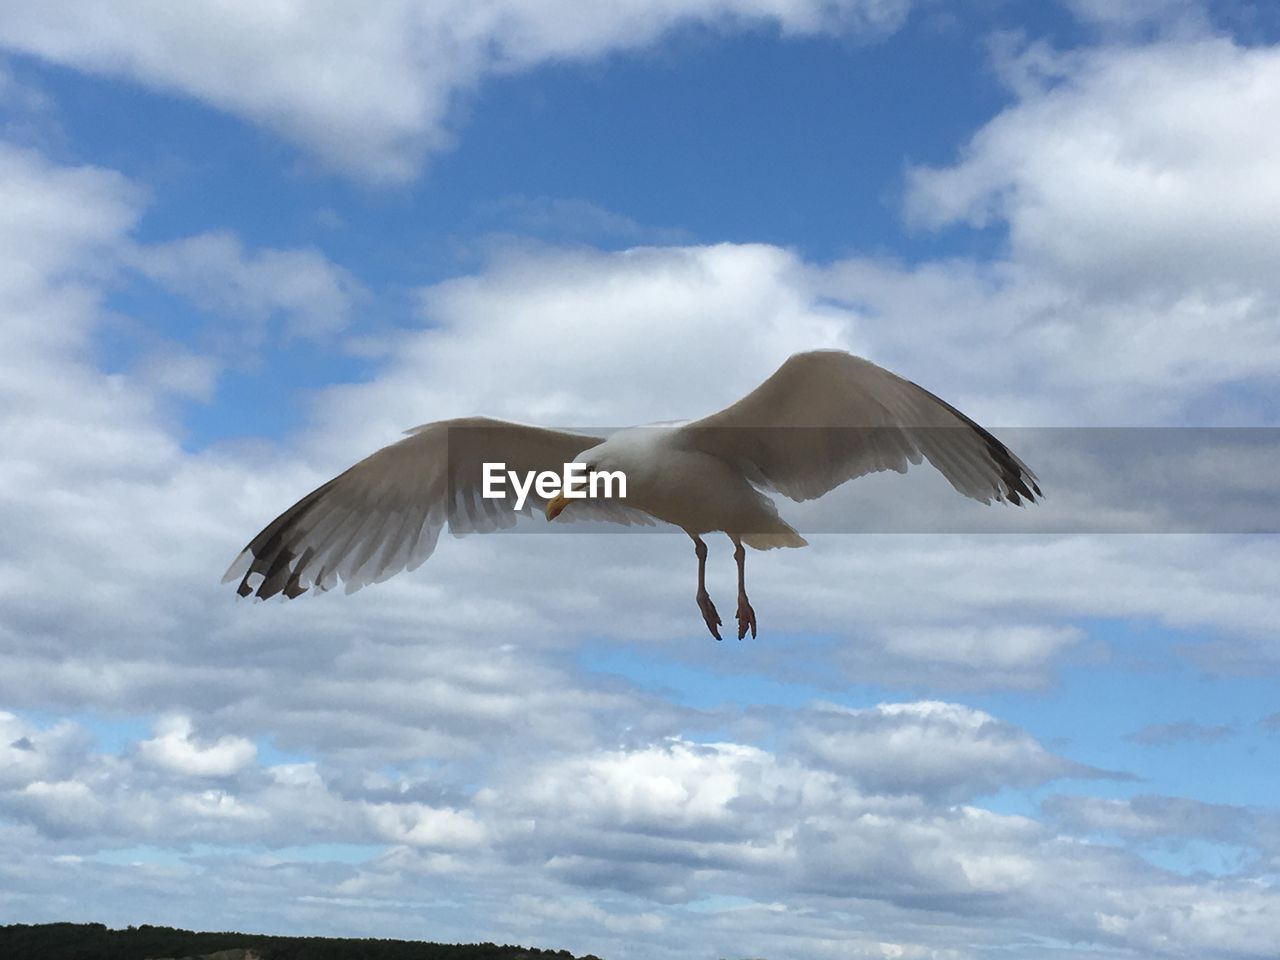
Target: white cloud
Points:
(1130, 169)
(28, 753)
(1011, 648)
(174, 748)
(692, 329)
(314, 296)
(60, 225)
(419, 825)
(601, 846)
(676, 787)
(373, 88)
(942, 750)
(1135, 186)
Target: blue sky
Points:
(245, 247)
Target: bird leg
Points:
(746, 616)
(708, 608)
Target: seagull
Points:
(823, 418)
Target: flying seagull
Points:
(823, 418)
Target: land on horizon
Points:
(95, 941)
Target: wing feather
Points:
(826, 417)
(385, 514)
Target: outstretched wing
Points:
(384, 514)
(826, 416)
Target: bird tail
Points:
(768, 531)
(781, 536)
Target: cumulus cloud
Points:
(615, 837)
(28, 753)
(653, 314)
(174, 748)
(60, 224)
(418, 825)
(672, 788)
(1132, 183)
(941, 750)
(659, 823)
(372, 89)
(1128, 168)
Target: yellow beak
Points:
(555, 505)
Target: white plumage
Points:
(823, 418)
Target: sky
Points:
(244, 245)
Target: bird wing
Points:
(826, 416)
(384, 514)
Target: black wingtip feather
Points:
(294, 587)
(1019, 482)
(273, 558)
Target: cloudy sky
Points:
(245, 244)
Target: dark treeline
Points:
(93, 941)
